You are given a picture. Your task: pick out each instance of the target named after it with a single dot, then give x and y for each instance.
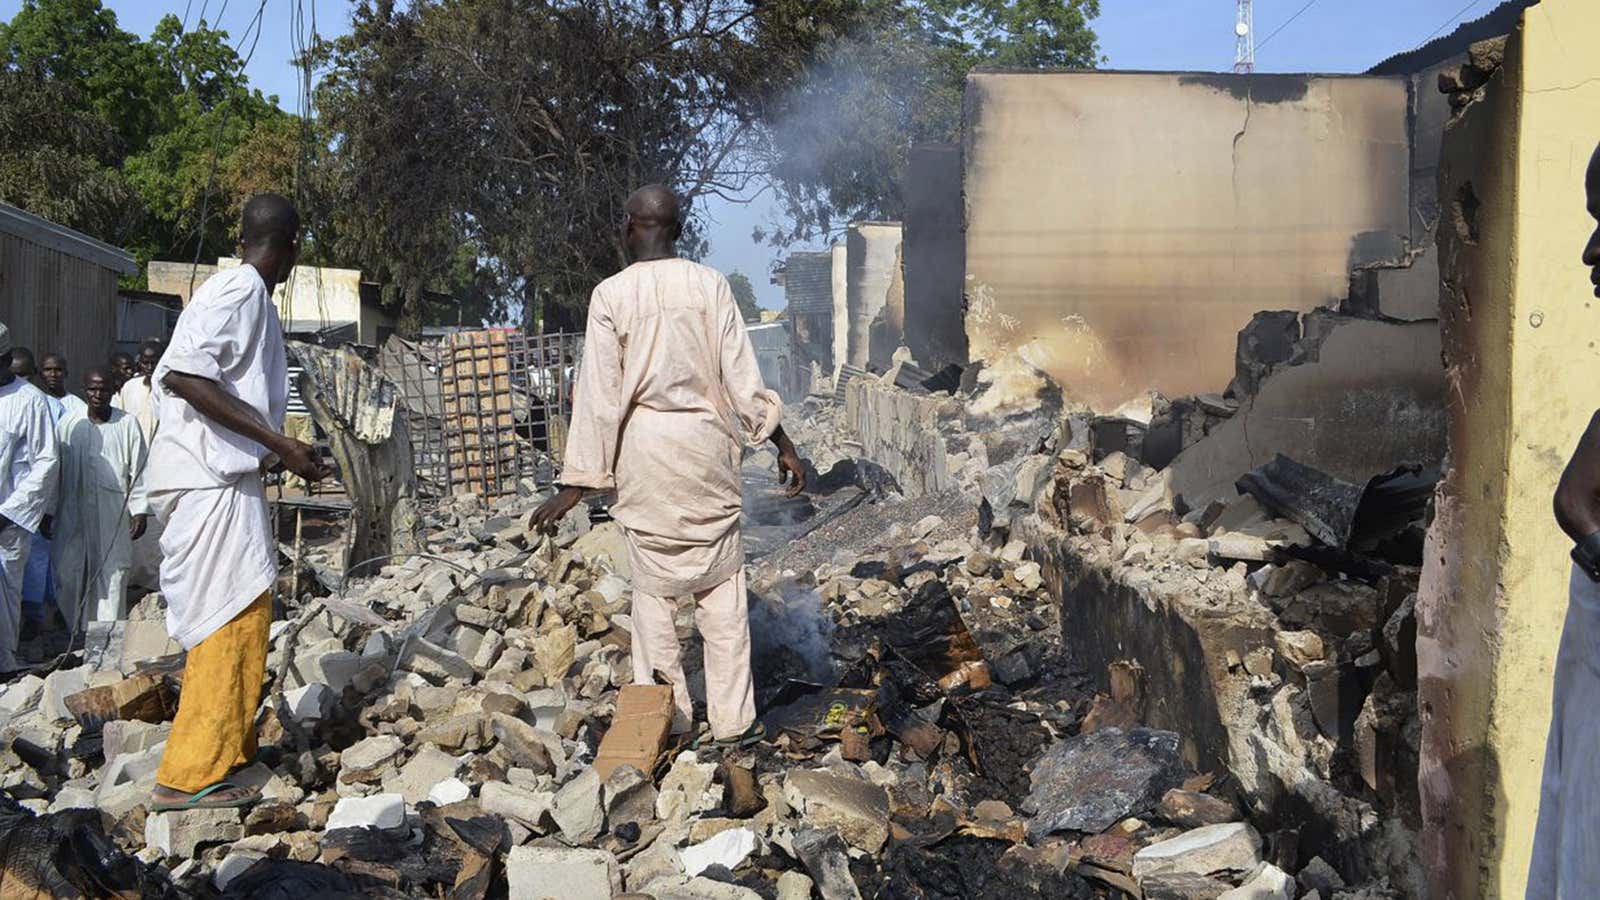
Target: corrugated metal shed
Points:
(58, 288)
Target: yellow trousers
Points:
(215, 729)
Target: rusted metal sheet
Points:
(355, 405)
(58, 290)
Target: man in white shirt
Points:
(222, 387)
(27, 489)
(136, 397)
(100, 509)
(38, 581)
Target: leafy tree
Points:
(522, 125)
(744, 293)
(836, 146)
(113, 74)
(56, 161)
(128, 140)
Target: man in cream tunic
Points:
(668, 396)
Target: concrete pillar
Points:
(841, 307)
(1518, 324)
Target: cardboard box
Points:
(638, 731)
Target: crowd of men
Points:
(75, 471)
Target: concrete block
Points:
(858, 810)
(1234, 847)
(383, 811)
(180, 834)
(548, 873)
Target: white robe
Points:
(72, 404)
(137, 398)
(218, 549)
(28, 460)
(100, 491)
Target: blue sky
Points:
(1193, 35)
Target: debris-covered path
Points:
(456, 724)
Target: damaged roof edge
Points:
(1503, 19)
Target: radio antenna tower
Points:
(1244, 30)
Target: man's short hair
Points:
(269, 220)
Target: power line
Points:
(1280, 28)
(1452, 20)
(216, 145)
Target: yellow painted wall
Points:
(1553, 390)
(324, 297)
(1520, 328)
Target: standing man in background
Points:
(27, 489)
(137, 399)
(137, 395)
(53, 381)
(101, 507)
(38, 581)
(668, 397)
(121, 368)
(222, 389)
(23, 365)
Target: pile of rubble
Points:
(459, 722)
(436, 729)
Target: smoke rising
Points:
(791, 623)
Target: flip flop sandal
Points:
(755, 734)
(203, 799)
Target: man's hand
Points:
(47, 527)
(1577, 500)
(791, 471)
(302, 459)
(550, 512)
(136, 526)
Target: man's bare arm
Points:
(221, 407)
(1577, 500)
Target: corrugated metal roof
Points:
(808, 283)
(62, 239)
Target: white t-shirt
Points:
(228, 333)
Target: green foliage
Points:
(744, 293)
(127, 140)
(55, 160)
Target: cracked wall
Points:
(1122, 227)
